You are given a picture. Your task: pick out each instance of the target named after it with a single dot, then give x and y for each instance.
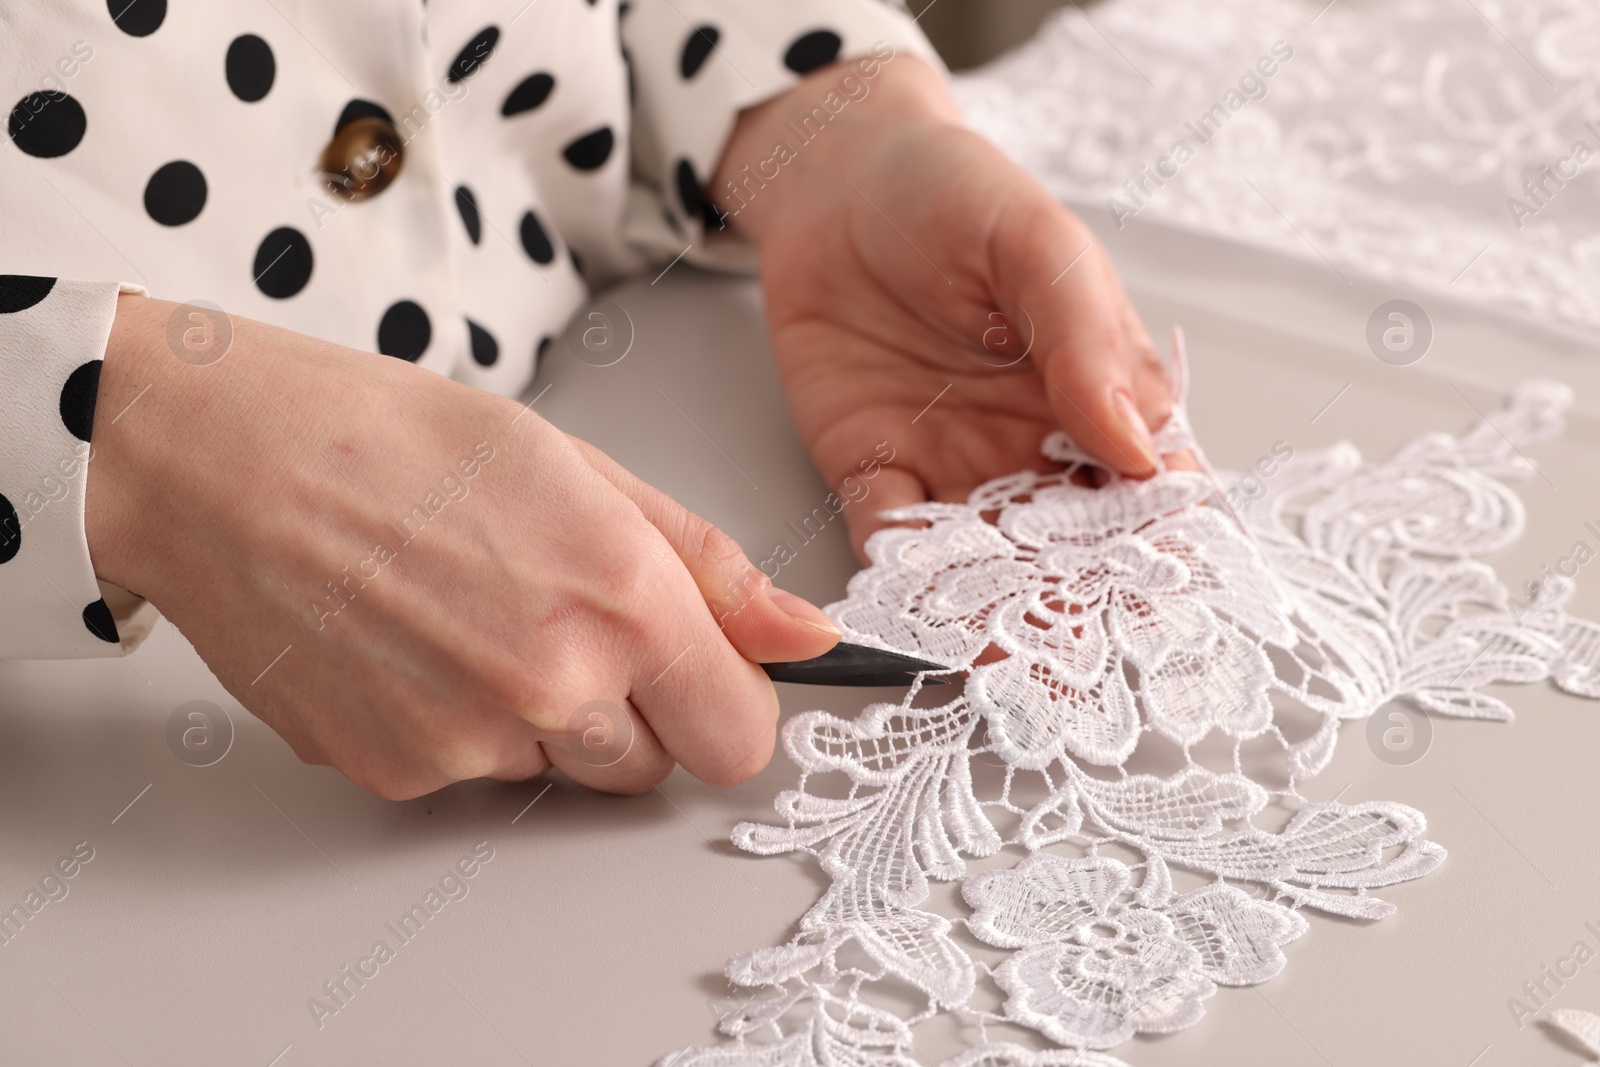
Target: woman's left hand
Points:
(924, 291)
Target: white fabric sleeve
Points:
(697, 63)
(53, 335)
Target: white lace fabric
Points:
(1583, 1027)
(1393, 142)
(1150, 677)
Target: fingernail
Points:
(803, 610)
(1138, 432)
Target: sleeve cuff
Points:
(698, 63)
(53, 335)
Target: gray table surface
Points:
(220, 899)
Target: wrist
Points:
(829, 126)
(115, 507)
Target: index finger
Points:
(714, 711)
(1049, 264)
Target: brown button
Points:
(363, 158)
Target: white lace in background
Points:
(1389, 144)
(1117, 788)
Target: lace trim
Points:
(1152, 674)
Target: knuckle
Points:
(611, 622)
(638, 601)
(631, 643)
(724, 574)
(715, 549)
(504, 686)
(626, 578)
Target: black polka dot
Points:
(362, 109)
(591, 151)
(535, 241)
(251, 67)
(816, 49)
(77, 399)
(137, 18)
(283, 263)
(10, 531)
(97, 616)
(405, 331)
(175, 193)
(47, 124)
(474, 55)
(696, 49)
(485, 349)
(467, 204)
(530, 93)
(19, 292)
(689, 194)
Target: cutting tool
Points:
(858, 665)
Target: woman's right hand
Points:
(421, 583)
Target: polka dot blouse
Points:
(498, 158)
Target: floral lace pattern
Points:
(1431, 143)
(1150, 676)
(1094, 966)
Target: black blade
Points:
(847, 664)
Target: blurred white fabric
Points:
(1440, 146)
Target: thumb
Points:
(764, 623)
